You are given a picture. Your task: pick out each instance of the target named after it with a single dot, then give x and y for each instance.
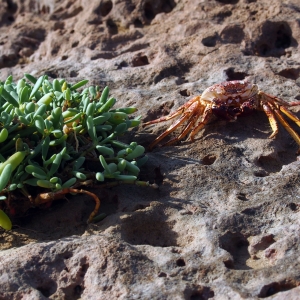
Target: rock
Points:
(224, 223)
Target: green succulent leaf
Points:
(48, 129)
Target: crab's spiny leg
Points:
(269, 97)
(274, 125)
(288, 128)
(165, 118)
(294, 103)
(206, 118)
(191, 122)
(290, 115)
(183, 118)
(274, 99)
(168, 131)
(282, 106)
(176, 113)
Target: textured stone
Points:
(225, 221)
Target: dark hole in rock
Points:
(208, 159)
(58, 25)
(45, 291)
(249, 211)
(168, 5)
(269, 164)
(51, 74)
(162, 274)
(264, 49)
(232, 75)
(148, 10)
(228, 1)
(221, 16)
(293, 206)
(180, 262)
(10, 18)
(203, 293)
(185, 93)
(131, 7)
(274, 39)
(123, 64)
(229, 264)
(48, 288)
(237, 245)
(176, 70)
(232, 34)
(73, 73)
(75, 44)
(112, 27)
(283, 39)
(210, 41)
(260, 173)
(151, 8)
(78, 290)
(105, 8)
(9, 61)
(67, 255)
(276, 287)
(139, 61)
(55, 50)
(242, 196)
(137, 23)
(11, 6)
(290, 73)
(64, 57)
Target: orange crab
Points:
(228, 100)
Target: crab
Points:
(228, 100)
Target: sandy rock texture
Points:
(224, 223)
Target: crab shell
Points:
(231, 98)
(229, 90)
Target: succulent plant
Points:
(48, 131)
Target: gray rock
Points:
(225, 221)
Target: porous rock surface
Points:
(224, 223)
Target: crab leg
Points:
(274, 125)
(272, 98)
(191, 122)
(288, 128)
(183, 118)
(206, 118)
(276, 100)
(294, 103)
(176, 113)
(290, 115)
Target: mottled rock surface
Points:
(225, 222)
